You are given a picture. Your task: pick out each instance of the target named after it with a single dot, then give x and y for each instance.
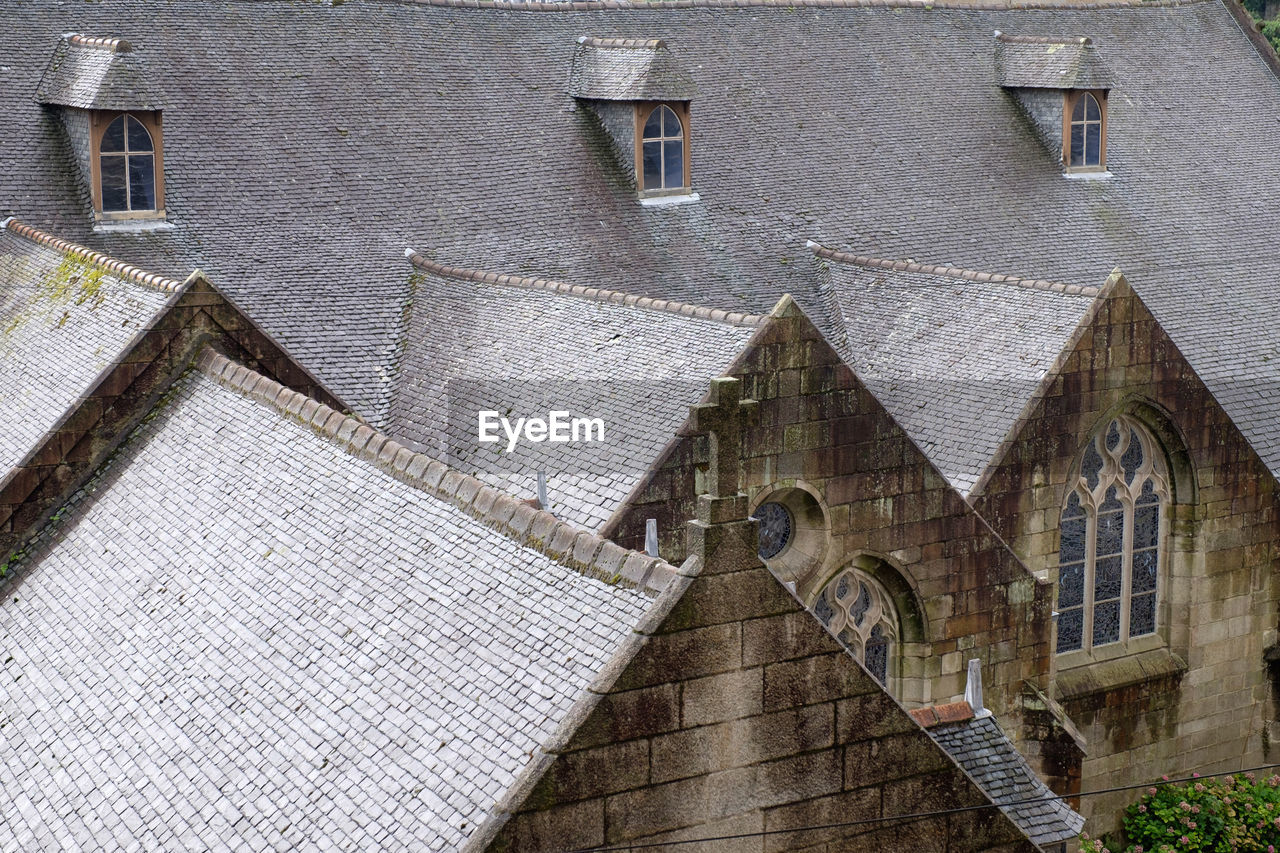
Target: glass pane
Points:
(1077, 111)
(1144, 570)
(1132, 459)
(1146, 526)
(1093, 145)
(1070, 630)
(858, 612)
(1091, 110)
(653, 165)
(1077, 145)
(1148, 495)
(1106, 623)
(1071, 585)
(674, 163)
(1106, 578)
(1110, 525)
(114, 194)
(1072, 550)
(877, 653)
(775, 528)
(113, 139)
(1073, 508)
(850, 641)
(139, 139)
(823, 610)
(671, 123)
(653, 124)
(842, 588)
(1091, 465)
(142, 182)
(1142, 615)
(1113, 436)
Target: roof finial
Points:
(973, 689)
(651, 537)
(542, 491)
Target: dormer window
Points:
(640, 97)
(129, 184)
(663, 160)
(109, 105)
(1085, 140)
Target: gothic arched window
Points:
(127, 166)
(1111, 539)
(856, 608)
(1087, 131)
(663, 150)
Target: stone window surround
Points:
(1069, 99)
(642, 111)
(99, 121)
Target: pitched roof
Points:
(525, 347)
(1044, 62)
(66, 316)
(980, 746)
(620, 69)
(97, 73)
(318, 636)
(953, 354)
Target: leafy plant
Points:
(1232, 814)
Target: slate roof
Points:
(63, 321)
(954, 355)
(98, 73)
(1044, 62)
(297, 649)
(980, 746)
(614, 69)
(320, 162)
(524, 348)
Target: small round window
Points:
(776, 527)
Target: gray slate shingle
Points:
(184, 665)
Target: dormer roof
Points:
(1040, 62)
(98, 74)
(622, 69)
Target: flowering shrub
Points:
(1231, 814)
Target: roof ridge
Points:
(947, 712)
(114, 45)
(563, 542)
(733, 318)
(1008, 39)
(951, 272)
(599, 41)
(979, 6)
(116, 267)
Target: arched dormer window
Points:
(664, 162)
(127, 158)
(858, 610)
(1086, 141)
(1112, 539)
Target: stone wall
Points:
(741, 715)
(1195, 696)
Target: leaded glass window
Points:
(1110, 531)
(663, 150)
(861, 614)
(1086, 132)
(127, 166)
(776, 528)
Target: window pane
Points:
(1106, 578)
(1110, 531)
(823, 610)
(139, 139)
(1077, 111)
(1113, 436)
(1077, 145)
(858, 612)
(653, 165)
(1144, 570)
(671, 123)
(1070, 630)
(1091, 465)
(674, 162)
(1072, 550)
(1093, 147)
(1132, 459)
(1142, 615)
(1071, 585)
(1106, 623)
(1091, 110)
(877, 653)
(1146, 525)
(142, 182)
(113, 138)
(114, 195)
(653, 124)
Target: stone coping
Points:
(1119, 673)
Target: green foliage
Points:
(1233, 814)
(1271, 29)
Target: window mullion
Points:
(1126, 569)
(1090, 553)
